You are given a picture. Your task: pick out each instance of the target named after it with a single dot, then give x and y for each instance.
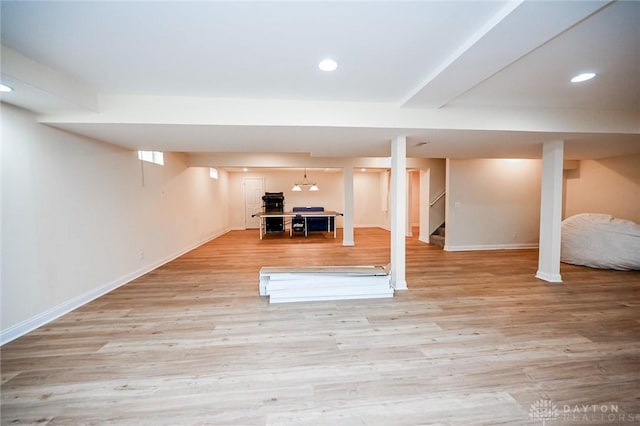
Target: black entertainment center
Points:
(273, 202)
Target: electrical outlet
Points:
(515, 235)
(141, 254)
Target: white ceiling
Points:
(473, 79)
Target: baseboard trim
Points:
(552, 278)
(30, 324)
(399, 285)
(490, 247)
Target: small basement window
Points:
(156, 157)
(213, 173)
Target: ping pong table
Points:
(288, 216)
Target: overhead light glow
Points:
(4, 88)
(583, 77)
(328, 65)
(512, 160)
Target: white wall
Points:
(610, 185)
(367, 209)
(492, 204)
(80, 217)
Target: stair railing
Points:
(437, 198)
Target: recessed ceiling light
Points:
(583, 77)
(4, 88)
(328, 65)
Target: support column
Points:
(398, 212)
(347, 223)
(551, 212)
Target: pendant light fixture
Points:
(305, 182)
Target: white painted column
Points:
(398, 212)
(551, 212)
(347, 222)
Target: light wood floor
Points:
(475, 340)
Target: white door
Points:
(253, 192)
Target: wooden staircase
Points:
(437, 238)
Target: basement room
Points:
(311, 213)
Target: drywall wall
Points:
(610, 186)
(492, 204)
(80, 217)
(367, 193)
(367, 209)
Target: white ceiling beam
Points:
(43, 89)
(271, 160)
(516, 30)
(199, 113)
